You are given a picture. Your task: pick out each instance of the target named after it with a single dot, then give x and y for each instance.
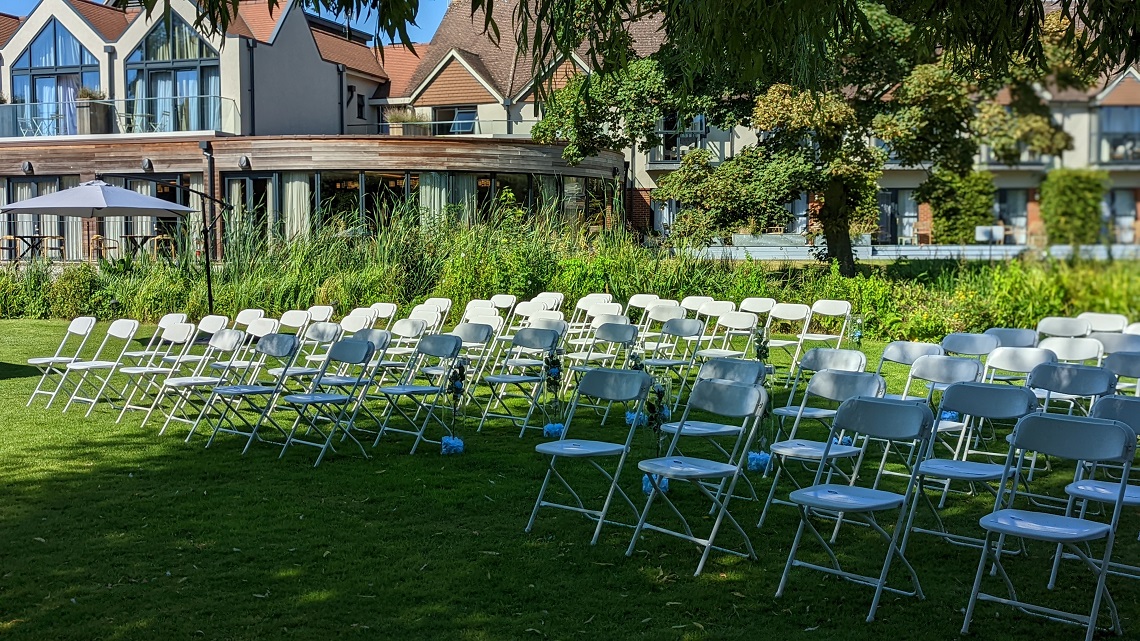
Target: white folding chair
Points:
(639, 303)
(815, 360)
(1116, 342)
(406, 333)
(1070, 384)
(608, 346)
(969, 345)
(257, 329)
(385, 314)
(1013, 337)
(314, 341)
(552, 300)
(429, 314)
(444, 305)
(879, 420)
(504, 303)
(251, 394)
(95, 375)
(1074, 350)
(296, 320)
(653, 320)
(1107, 323)
(477, 307)
(247, 316)
(142, 379)
(795, 317)
(600, 386)
(192, 392)
(155, 343)
(579, 318)
(1013, 364)
(758, 306)
(828, 311)
(710, 313)
(443, 349)
(693, 303)
(517, 370)
(729, 326)
(52, 367)
(1126, 365)
(473, 354)
(673, 352)
(1086, 441)
(207, 327)
(325, 413)
(905, 353)
(320, 313)
(1063, 327)
(728, 400)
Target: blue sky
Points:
(431, 12)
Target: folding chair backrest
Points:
(213, 323)
(827, 307)
(170, 319)
(427, 314)
(604, 319)
(1117, 342)
(123, 329)
(555, 298)
(384, 311)
(536, 338)
(621, 333)
(1134, 328)
(379, 338)
(791, 312)
(1123, 364)
(247, 316)
(320, 313)
(757, 305)
(738, 321)
(277, 345)
(907, 352)
(736, 370)
(409, 328)
(1125, 409)
(79, 327)
(473, 332)
(1078, 380)
(528, 307)
(693, 303)
(1063, 326)
(259, 327)
(818, 359)
(728, 398)
(1075, 438)
(548, 314)
(1099, 322)
(640, 301)
(227, 340)
(362, 311)
(665, 313)
(599, 308)
(558, 326)
(988, 400)
(965, 344)
(495, 322)
(617, 385)
(683, 327)
(1020, 360)
(1014, 337)
(1073, 350)
(835, 385)
(504, 301)
(178, 337)
(322, 332)
(295, 319)
(351, 324)
(439, 346)
(665, 302)
(349, 352)
(888, 420)
(938, 368)
(716, 309)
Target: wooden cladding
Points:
(1126, 93)
(454, 85)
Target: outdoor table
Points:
(134, 243)
(33, 244)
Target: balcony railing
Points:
(1120, 148)
(1027, 158)
(101, 117)
(484, 128)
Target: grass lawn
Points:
(112, 532)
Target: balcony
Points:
(1119, 148)
(107, 117)
(1027, 160)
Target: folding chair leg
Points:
(977, 585)
(541, 495)
(791, 557)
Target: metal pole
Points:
(207, 228)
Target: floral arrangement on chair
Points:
(456, 389)
(761, 337)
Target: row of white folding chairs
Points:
(1086, 323)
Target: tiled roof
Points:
(354, 55)
(108, 21)
(256, 20)
(8, 26)
(400, 64)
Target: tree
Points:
(960, 203)
(1071, 205)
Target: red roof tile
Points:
(354, 55)
(255, 19)
(8, 26)
(400, 65)
(108, 21)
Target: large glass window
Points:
(47, 78)
(449, 121)
(173, 82)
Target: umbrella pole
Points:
(206, 253)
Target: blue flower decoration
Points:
(666, 412)
(451, 445)
(758, 461)
(553, 430)
(636, 418)
(846, 440)
(647, 485)
(950, 415)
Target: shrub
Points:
(1071, 205)
(959, 204)
(76, 292)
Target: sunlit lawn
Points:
(112, 532)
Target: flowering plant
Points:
(760, 335)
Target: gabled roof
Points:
(400, 64)
(108, 21)
(351, 54)
(8, 26)
(256, 20)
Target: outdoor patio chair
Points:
(1108, 323)
(207, 327)
(52, 368)
(406, 333)
(253, 395)
(553, 300)
(1063, 327)
(1013, 337)
(1086, 441)
(440, 350)
(95, 375)
(599, 386)
(504, 303)
(517, 370)
(758, 306)
(728, 400)
(324, 413)
(1070, 384)
(709, 314)
(889, 421)
(474, 351)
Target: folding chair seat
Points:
(1126, 365)
(1013, 364)
(296, 320)
(832, 387)
(673, 352)
(974, 402)
(1063, 327)
(443, 349)
(905, 353)
(326, 413)
(207, 327)
(1116, 342)
(52, 367)
(1104, 323)
(249, 393)
(142, 379)
(794, 316)
(554, 299)
(1013, 337)
(95, 375)
(693, 303)
(1074, 350)
(653, 320)
(444, 305)
(155, 343)
(599, 386)
(1086, 441)
(247, 316)
(731, 325)
(815, 360)
(876, 420)
(320, 313)
(385, 314)
(728, 400)
(517, 370)
(192, 392)
(828, 310)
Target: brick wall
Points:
(640, 212)
(1034, 225)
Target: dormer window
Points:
(173, 81)
(47, 78)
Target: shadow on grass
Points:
(10, 371)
